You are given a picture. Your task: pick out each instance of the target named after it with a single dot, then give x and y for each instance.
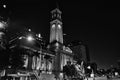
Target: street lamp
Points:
(4, 6)
(30, 38)
(89, 67)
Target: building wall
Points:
(82, 52)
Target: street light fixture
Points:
(30, 38)
(89, 67)
(4, 6)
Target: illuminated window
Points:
(1, 25)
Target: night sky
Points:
(97, 23)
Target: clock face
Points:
(53, 26)
(59, 26)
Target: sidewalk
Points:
(97, 78)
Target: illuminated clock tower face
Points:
(59, 26)
(56, 27)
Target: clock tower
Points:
(56, 40)
(56, 33)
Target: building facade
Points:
(50, 60)
(81, 50)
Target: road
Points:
(102, 78)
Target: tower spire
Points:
(57, 5)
